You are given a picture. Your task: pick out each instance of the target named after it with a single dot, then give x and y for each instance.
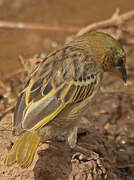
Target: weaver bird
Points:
(59, 92)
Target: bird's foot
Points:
(91, 154)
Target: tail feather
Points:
(11, 157)
(23, 150)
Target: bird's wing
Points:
(65, 77)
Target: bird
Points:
(60, 91)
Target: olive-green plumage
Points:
(59, 93)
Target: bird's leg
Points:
(90, 153)
(72, 137)
(72, 141)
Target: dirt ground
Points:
(107, 130)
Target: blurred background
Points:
(29, 30)
(15, 42)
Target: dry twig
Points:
(22, 25)
(115, 21)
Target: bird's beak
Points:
(123, 72)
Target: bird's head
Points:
(117, 62)
(109, 53)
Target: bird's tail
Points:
(23, 150)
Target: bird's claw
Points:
(89, 153)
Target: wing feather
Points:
(46, 96)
